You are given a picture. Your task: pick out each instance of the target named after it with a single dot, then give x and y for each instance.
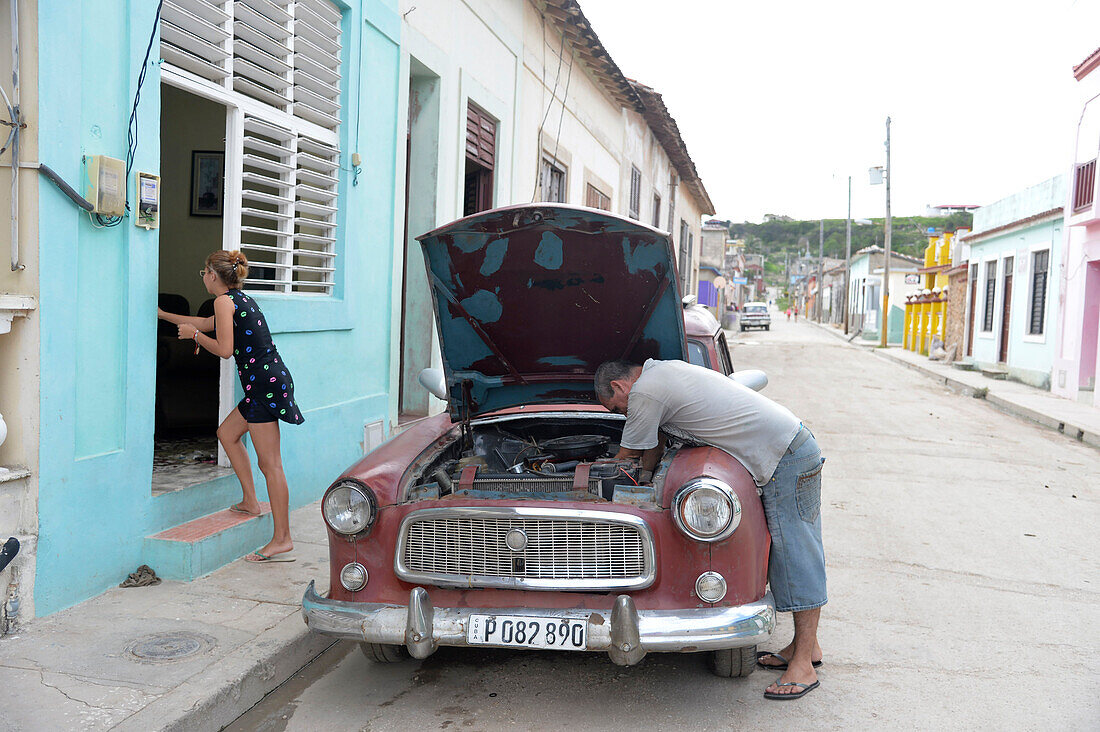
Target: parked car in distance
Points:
(755, 315)
(506, 521)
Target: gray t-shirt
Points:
(699, 405)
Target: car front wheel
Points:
(384, 653)
(732, 663)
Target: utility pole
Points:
(786, 272)
(884, 327)
(820, 271)
(847, 255)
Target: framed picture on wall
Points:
(207, 182)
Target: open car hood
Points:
(531, 299)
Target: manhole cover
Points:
(170, 646)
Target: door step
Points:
(200, 546)
(999, 374)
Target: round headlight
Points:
(707, 509)
(349, 508)
(710, 587)
(353, 577)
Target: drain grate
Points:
(170, 646)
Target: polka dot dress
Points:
(266, 379)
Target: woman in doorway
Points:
(240, 332)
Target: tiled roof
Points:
(572, 23)
(668, 134)
(1082, 69)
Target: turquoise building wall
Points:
(99, 291)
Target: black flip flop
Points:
(806, 689)
(761, 654)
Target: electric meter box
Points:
(107, 185)
(148, 198)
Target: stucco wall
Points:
(1030, 357)
(97, 311)
(19, 383)
(955, 327)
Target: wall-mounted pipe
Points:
(17, 122)
(68, 190)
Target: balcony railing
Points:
(1084, 184)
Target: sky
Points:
(779, 101)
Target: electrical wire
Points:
(564, 97)
(553, 96)
(131, 130)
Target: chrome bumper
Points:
(624, 632)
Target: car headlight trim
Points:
(706, 509)
(349, 507)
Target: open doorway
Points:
(187, 383)
(421, 181)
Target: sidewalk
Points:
(178, 656)
(1077, 421)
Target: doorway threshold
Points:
(180, 463)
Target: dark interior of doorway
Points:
(185, 448)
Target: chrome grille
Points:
(566, 549)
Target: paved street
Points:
(962, 549)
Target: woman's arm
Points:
(222, 345)
(204, 324)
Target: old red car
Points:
(506, 521)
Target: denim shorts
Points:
(792, 506)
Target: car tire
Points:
(384, 653)
(733, 663)
(742, 329)
(767, 327)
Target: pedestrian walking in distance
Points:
(782, 455)
(796, 314)
(788, 313)
(241, 331)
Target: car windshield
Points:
(756, 309)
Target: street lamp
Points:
(878, 174)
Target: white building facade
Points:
(514, 101)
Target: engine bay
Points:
(543, 458)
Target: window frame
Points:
(1033, 254)
(600, 197)
(547, 168)
(656, 210)
(989, 298)
(634, 203)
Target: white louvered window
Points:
(279, 61)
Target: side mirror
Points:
(435, 382)
(755, 379)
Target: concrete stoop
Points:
(200, 546)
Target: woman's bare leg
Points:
(230, 432)
(265, 438)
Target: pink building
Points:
(1076, 359)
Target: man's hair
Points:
(612, 371)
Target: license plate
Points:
(527, 631)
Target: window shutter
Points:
(194, 35)
(288, 209)
(990, 292)
(481, 132)
(286, 55)
(595, 198)
(1038, 292)
(635, 192)
(317, 62)
(315, 216)
(267, 203)
(262, 36)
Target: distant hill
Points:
(781, 235)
